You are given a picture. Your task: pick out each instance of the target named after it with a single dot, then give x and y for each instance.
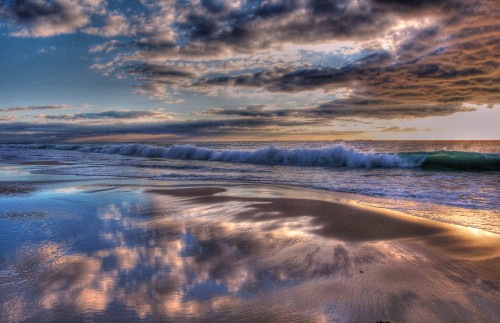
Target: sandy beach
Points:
(249, 161)
(142, 250)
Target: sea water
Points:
(450, 181)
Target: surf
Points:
(335, 156)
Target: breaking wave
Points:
(332, 156)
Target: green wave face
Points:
(456, 160)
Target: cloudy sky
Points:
(97, 70)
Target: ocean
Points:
(449, 181)
(244, 231)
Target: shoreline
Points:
(484, 218)
(358, 199)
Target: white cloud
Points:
(105, 47)
(116, 25)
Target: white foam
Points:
(332, 156)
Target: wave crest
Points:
(335, 156)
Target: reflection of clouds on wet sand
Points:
(58, 281)
(186, 257)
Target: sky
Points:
(214, 70)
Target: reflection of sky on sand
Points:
(124, 255)
(116, 257)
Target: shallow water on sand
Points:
(129, 250)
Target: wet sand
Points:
(13, 188)
(186, 252)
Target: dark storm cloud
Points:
(296, 80)
(438, 55)
(159, 71)
(386, 110)
(215, 27)
(450, 75)
(433, 70)
(257, 110)
(160, 79)
(361, 108)
(161, 74)
(110, 115)
(56, 132)
(30, 10)
(208, 27)
(43, 18)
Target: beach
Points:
(249, 161)
(125, 249)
